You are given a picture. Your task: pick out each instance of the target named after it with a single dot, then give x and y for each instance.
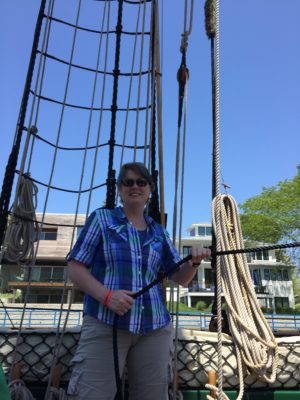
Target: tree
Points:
(274, 215)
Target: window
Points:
(204, 230)
(248, 257)
(47, 234)
(256, 277)
(279, 275)
(192, 233)
(208, 276)
(208, 231)
(261, 255)
(285, 274)
(57, 274)
(267, 274)
(201, 230)
(265, 255)
(186, 250)
(281, 303)
(47, 274)
(273, 275)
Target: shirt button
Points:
(143, 308)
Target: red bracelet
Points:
(107, 297)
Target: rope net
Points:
(196, 356)
(89, 109)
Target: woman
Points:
(119, 252)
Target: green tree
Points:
(274, 215)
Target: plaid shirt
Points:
(111, 247)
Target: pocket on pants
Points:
(73, 387)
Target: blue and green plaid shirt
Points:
(111, 248)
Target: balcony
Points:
(197, 287)
(259, 289)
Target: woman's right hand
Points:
(120, 301)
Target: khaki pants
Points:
(147, 358)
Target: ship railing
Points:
(49, 318)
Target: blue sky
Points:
(259, 97)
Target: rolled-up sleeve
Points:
(87, 242)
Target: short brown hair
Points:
(137, 167)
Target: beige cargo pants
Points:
(147, 358)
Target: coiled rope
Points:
(22, 232)
(255, 344)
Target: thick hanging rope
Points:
(111, 173)
(254, 341)
(22, 231)
(182, 78)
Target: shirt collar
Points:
(119, 213)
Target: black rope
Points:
(13, 157)
(154, 210)
(111, 179)
(214, 188)
(39, 96)
(94, 30)
(129, 74)
(210, 31)
(59, 188)
(33, 133)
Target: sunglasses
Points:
(128, 182)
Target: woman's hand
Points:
(120, 301)
(198, 254)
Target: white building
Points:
(272, 279)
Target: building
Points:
(272, 279)
(48, 279)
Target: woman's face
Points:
(134, 189)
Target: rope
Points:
(97, 146)
(111, 109)
(105, 33)
(99, 131)
(161, 205)
(27, 177)
(111, 180)
(13, 158)
(254, 341)
(154, 202)
(182, 77)
(93, 70)
(139, 82)
(22, 232)
(18, 390)
(130, 88)
(175, 383)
